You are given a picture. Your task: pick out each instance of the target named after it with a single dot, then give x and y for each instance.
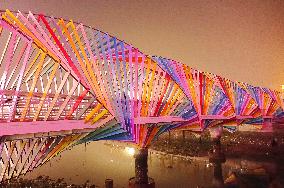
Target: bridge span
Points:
(63, 83)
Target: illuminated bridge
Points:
(63, 83)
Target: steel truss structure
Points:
(58, 76)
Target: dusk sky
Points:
(240, 40)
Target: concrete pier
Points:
(141, 179)
(217, 157)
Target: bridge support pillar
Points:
(109, 183)
(216, 158)
(141, 179)
(267, 125)
(216, 133)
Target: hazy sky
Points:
(240, 40)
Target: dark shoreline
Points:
(246, 145)
(42, 182)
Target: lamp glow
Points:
(130, 151)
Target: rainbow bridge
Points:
(63, 83)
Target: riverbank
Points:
(249, 145)
(41, 182)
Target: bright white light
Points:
(130, 151)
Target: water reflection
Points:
(101, 160)
(245, 173)
(217, 157)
